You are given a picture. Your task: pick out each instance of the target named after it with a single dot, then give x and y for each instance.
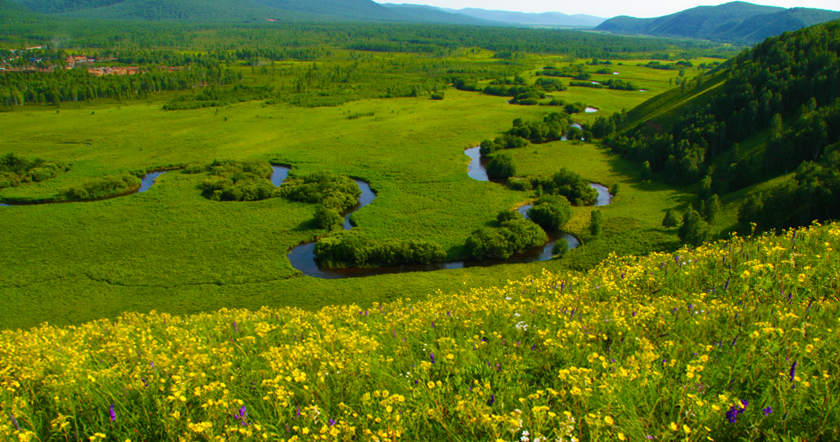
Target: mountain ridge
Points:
(735, 21)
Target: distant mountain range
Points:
(735, 21)
(526, 18)
(290, 10)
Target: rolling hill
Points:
(735, 21)
(223, 10)
(768, 112)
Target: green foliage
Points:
(512, 236)
(812, 195)
(238, 181)
(521, 184)
(670, 219)
(501, 166)
(327, 219)
(16, 170)
(560, 247)
(550, 212)
(105, 187)
(352, 248)
(773, 81)
(568, 184)
(712, 208)
(596, 223)
(334, 192)
(694, 230)
(506, 215)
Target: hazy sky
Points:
(608, 8)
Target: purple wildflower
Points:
(793, 371)
(332, 422)
(767, 411)
(432, 357)
(726, 286)
(297, 411)
(14, 422)
(112, 413)
(242, 416)
(491, 400)
(235, 327)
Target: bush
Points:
(519, 184)
(437, 95)
(513, 236)
(237, 180)
(569, 184)
(560, 247)
(501, 167)
(693, 231)
(337, 193)
(104, 187)
(352, 248)
(327, 219)
(551, 212)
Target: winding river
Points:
(302, 257)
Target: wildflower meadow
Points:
(735, 340)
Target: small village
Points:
(37, 59)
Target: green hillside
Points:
(734, 21)
(772, 110)
(216, 10)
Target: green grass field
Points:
(172, 250)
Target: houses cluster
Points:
(87, 62)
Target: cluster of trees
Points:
(612, 83)
(16, 170)
(787, 83)
(521, 92)
(695, 227)
(105, 187)
(334, 192)
(236, 180)
(512, 234)
(605, 126)
(568, 184)
(353, 248)
(813, 194)
(551, 128)
(213, 96)
(18, 88)
(575, 72)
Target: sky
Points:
(608, 8)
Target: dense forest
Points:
(787, 87)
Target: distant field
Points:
(170, 249)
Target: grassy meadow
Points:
(172, 250)
(735, 340)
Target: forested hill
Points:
(228, 10)
(782, 98)
(735, 21)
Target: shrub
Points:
(337, 193)
(513, 236)
(551, 212)
(501, 167)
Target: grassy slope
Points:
(731, 341)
